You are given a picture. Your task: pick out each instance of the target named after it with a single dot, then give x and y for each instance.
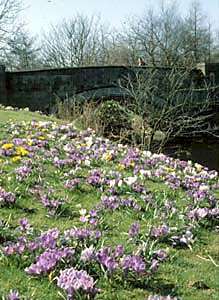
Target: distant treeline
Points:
(163, 37)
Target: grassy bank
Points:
(64, 191)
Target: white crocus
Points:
(203, 188)
(145, 173)
(87, 162)
(130, 180)
(82, 212)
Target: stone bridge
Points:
(39, 89)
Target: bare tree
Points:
(156, 37)
(198, 38)
(168, 103)
(21, 52)
(79, 41)
(166, 38)
(118, 51)
(215, 50)
(9, 10)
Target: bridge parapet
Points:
(38, 89)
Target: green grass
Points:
(6, 116)
(188, 274)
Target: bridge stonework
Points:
(39, 89)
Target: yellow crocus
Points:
(29, 142)
(7, 146)
(107, 156)
(132, 164)
(21, 151)
(42, 138)
(121, 167)
(169, 170)
(16, 159)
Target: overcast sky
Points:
(41, 13)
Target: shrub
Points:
(113, 118)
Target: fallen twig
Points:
(208, 259)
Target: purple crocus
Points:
(160, 231)
(51, 204)
(22, 172)
(198, 213)
(133, 263)
(160, 254)
(48, 260)
(13, 295)
(134, 230)
(119, 251)
(106, 259)
(95, 178)
(72, 184)
(48, 239)
(72, 281)
(15, 248)
(81, 234)
(88, 254)
(6, 198)
(154, 265)
(110, 202)
(24, 224)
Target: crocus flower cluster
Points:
(74, 281)
(23, 172)
(6, 198)
(161, 231)
(82, 234)
(15, 248)
(133, 263)
(109, 258)
(48, 239)
(71, 184)
(132, 156)
(110, 202)
(106, 258)
(118, 179)
(88, 254)
(95, 178)
(61, 163)
(48, 260)
(158, 257)
(52, 205)
(114, 202)
(113, 260)
(202, 213)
